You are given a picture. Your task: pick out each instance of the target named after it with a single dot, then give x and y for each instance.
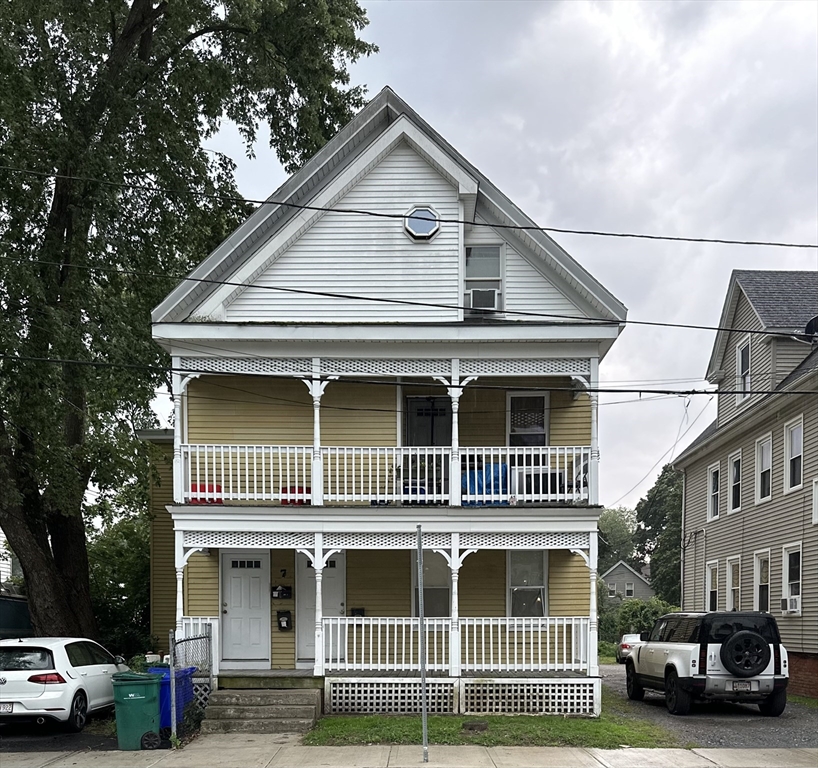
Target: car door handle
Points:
(84, 674)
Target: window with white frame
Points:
(734, 583)
(484, 280)
(791, 577)
(628, 589)
(711, 586)
(526, 582)
(611, 589)
(527, 418)
(743, 371)
(764, 468)
(734, 469)
(793, 454)
(436, 585)
(713, 481)
(761, 581)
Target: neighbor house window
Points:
(793, 454)
(527, 418)
(484, 281)
(764, 468)
(761, 581)
(526, 580)
(743, 371)
(713, 479)
(791, 576)
(734, 584)
(711, 586)
(734, 468)
(611, 590)
(628, 589)
(436, 585)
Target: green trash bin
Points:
(136, 699)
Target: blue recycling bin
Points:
(184, 693)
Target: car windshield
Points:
(22, 659)
(630, 638)
(720, 628)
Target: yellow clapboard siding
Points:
(568, 584)
(379, 581)
(162, 570)
(202, 584)
(482, 584)
(282, 643)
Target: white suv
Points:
(730, 656)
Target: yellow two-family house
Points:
(388, 350)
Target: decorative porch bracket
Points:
(316, 387)
(455, 388)
(181, 559)
(455, 558)
(319, 558)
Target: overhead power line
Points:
(591, 321)
(385, 215)
(380, 382)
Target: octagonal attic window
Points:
(422, 222)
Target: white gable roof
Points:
(385, 124)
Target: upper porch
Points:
(385, 432)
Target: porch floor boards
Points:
(279, 674)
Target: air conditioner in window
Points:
(791, 604)
(480, 301)
(537, 482)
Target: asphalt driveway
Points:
(50, 737)
(713, 726)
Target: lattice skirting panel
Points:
(201, 692)
(398, 696)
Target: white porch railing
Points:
(385, 644)
(491, 644)
(212, 474)
(192, 626)
(504, 644)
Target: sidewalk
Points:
(260, 751)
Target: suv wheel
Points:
(635, 691)
(745, 654)
(677, 700)
(774, 704)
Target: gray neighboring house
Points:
(750, 502)
(623, 581)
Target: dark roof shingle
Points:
(783, 299)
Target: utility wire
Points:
(384, 215)
(381, 382)
(590, 321)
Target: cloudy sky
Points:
(677, 118)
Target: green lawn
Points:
(610, 731)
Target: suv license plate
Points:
(6, 707)
(741, 685)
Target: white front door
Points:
(334, 592)
(246, 609)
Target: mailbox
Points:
(281, 592)
(285, 620)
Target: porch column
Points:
(318, 670)
(316, 388)
(593, 650)
(455, 390)
(178, 469)
(180, 573)
(455, 559)
(593, 474)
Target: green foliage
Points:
(138, 663)
(659, 534)
(641, 615)
(119, 559)
(111, 103)
(607, 652)
(616, 539)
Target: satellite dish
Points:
(812, 327)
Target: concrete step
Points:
(260, 698)
(243, 712)
(275, 725)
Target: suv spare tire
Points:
(745, 653)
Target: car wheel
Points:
(678, 701)
(774, 704)
(745, 654)
(78, 714)
(635, 691)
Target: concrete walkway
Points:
(281, 751)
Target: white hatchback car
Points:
(55, 678)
